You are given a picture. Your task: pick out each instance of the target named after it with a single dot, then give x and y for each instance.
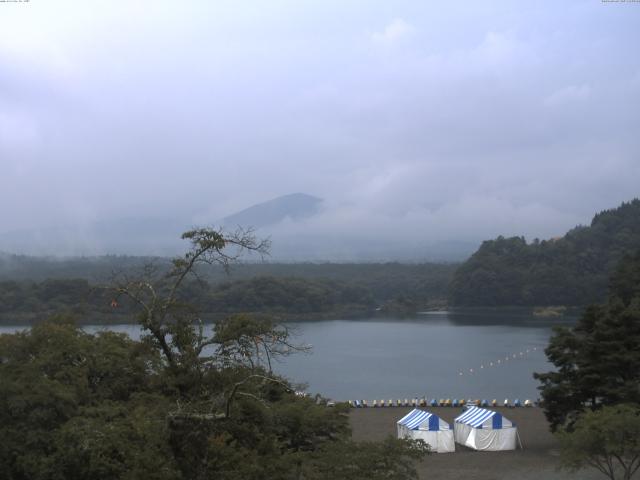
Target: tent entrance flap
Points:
(483, 429)
(497, 421)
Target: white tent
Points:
(483, 429)
(421, 425)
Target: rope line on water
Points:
(499, 362)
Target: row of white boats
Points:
(423, 402)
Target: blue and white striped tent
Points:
(483, 429)
(426, 426)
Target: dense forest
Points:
(598, 358)
(29, 302)
(572, 270)
(289, 291)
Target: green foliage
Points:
(401, 305)
(572, 270)
(317, 291)
(598, 361)
(607, 440)
(289, 296)
(119, 440)
(58, 386)
(425, 282)
(390, 459)
(176, 405)
(80, 406)
(307, 426)
(625, 281)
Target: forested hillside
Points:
(572, 270)
(422, 281)
(289, 291)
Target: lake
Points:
(464, 353)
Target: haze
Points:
(419, 124)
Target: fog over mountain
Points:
(284, 220)
(295, 207)
(424, 127)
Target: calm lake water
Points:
(471, 354)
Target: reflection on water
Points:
(428, 355)
(518, 316)
(471, 353)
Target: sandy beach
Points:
(537, 460)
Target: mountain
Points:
(302, 245)
(296, 206)
(571, 270)
(301, 227)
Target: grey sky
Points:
(434, 120)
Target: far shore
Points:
(81, 317)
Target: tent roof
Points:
(476, 417)
(415, 418)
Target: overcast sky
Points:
(436, 120)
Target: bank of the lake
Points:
(81, 316)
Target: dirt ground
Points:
(537, 460)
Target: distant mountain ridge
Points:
(146, 235)
(295, 206)
(301, 227)
(571, 270)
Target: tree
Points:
(253, 342)
(168, 320)
(71, 404)
(390, 459)
(185, 402)
(597, 361)
(235, 418)
(569, 270)
(607, 440)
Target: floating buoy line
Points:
(499, 362)
(448, 402)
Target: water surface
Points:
(471, 354)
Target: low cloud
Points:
(572, 93)
(395, 31)
(443, 125)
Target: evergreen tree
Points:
(598, 361)
(569, 270)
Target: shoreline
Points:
(83, 318)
